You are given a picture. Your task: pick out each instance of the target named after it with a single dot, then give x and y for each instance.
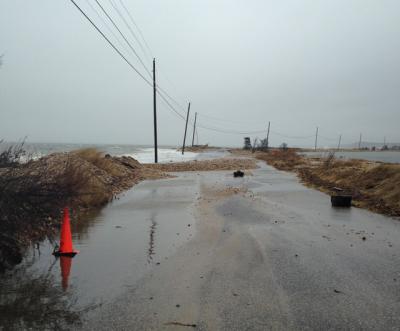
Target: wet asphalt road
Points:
(272, 255)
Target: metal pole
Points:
(155, 112)
(359, 143)
(184, 137)
(316, 139)
(194, 127)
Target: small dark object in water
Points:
(341, 200)
(238, 173)
(363, 238)
(337, 291)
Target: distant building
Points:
(247, 143)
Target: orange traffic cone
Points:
(66, 238)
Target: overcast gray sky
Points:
(299, 64)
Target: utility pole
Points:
(155, 112)
(359, 143)
(316, 139)
(194, 127)
(384, 141)
(340, 140)
(269, 124)
(184, 137)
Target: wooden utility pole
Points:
(194, 127)
(316, 139)
(269, 125)
(340, 140)
(155, 112)
(359, 143)
(184, 137)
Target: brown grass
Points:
(287, 159)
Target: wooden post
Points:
(316, 139)
(155, 112)
(184, 137)
(340, 140)
(269, 124)
(194, 127)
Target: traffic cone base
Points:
(70, 254)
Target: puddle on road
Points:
(118, 246)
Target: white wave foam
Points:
(146, 155)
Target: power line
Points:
(161, 92)
(107, 26)
(141, 46)
(114, 5)
(123, 36)
(171, 98)
(229, 131)
(137, 27)
(110, 43)
(125, 59)
(169, 105)
(112, 21)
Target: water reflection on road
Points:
(117, 247)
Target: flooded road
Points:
(207, 251)
(117, 247)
